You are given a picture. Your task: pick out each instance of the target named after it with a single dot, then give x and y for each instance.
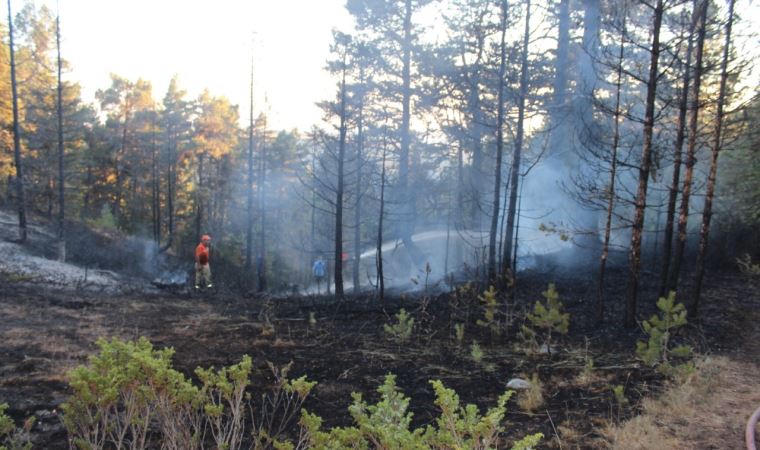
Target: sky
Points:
(208, 45)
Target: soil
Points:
(47, 330)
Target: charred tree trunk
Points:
(613, 174)
(261, 266)
(379, 254)
(515, 172)
(116, 208)
(359, 166)
(339, 190)
(492, 269)
(249, 189)
(704, 233)
(199, 200)
(17, 137)
(680, 137)
(691, 150)
(634, 258)
(155, 187)
(61, 179)
(170, 184)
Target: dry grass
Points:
(707, 410)
(532, 398)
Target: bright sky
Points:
(208, 44)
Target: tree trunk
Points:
(359, 187)
(17, 137)
(261, 258)
(249, 189)
(492, 270)
(634, 259)
(691, 150)
(613, 174)
(61, 179)
(199, 200)
(716, 146)
(680, 137)
(339, 190)
(407, 208)
(515, 172)
(379, 255)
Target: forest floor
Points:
(48, 328)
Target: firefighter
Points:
(202, 266)
(319, 269)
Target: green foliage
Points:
(106, 220)
(657, 351)
(490, 306)
(11, 437)
(546, 319)
(619, 392)
(114, 396)
(130, 389)
(459, 332)
(476, 352)
(402, 330)
(222, 395)
(385, 425)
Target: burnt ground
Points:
(45, 331)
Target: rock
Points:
(518, 383)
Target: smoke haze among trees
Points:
(463, 140)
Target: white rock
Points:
(518, 383)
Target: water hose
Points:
(749, 434)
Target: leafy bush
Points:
(401, 330)
(546, 319)
(385, 425)
(658, 350)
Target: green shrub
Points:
(130, 389)
(385, 425)
(658, 350)
(401, 330)
(11, 437)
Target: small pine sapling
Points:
(459, 332)
(658, 351)
(490, 306)
(476, 352)
(402, 330)
(547, 319)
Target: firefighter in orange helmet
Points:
(202, 266)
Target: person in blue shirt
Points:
(319, 269)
